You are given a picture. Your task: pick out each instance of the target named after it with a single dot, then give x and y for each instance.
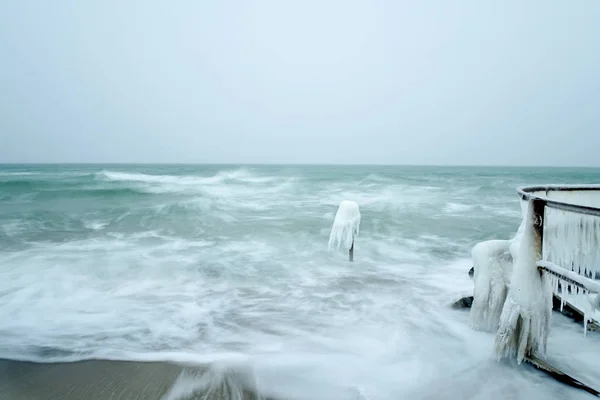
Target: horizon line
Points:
(12, 163)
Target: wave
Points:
(458, 208)
(233, 381)
(239, 175)
(111, 184)
(20, 184)
(15, 173)
(377, 179)
(236, 188)
(45, 354)
(90, 191)
(42, 181)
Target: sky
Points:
(272, 81)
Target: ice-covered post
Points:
(345, 227)
(526, 315)
(538, 206)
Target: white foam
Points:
(16, 173)
(457, 208)
(95, 225)
(241, 175)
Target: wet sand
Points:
(104, 380)
(90, 380)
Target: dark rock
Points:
(465, 302)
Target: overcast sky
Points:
(275, 81)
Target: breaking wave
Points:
(236, 175)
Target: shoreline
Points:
(90, 379)
(114, 380)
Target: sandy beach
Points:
(92, 380)
(103, 380)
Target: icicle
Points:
(586, 317)
(526, 316)
(572, 240)
(592, 304)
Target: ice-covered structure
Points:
(526, 317)
(345, 226)
(556, 250)
(492, 264)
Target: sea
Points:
(189, 282)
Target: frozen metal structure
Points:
(554, 257)
(568, 222)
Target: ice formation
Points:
(576, 287)
(594, 302)
(492, 262)
(572, 242)
(525, 320)
(512, 297)
(515, 242)
(345, 226)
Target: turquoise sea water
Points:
(228, 262)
